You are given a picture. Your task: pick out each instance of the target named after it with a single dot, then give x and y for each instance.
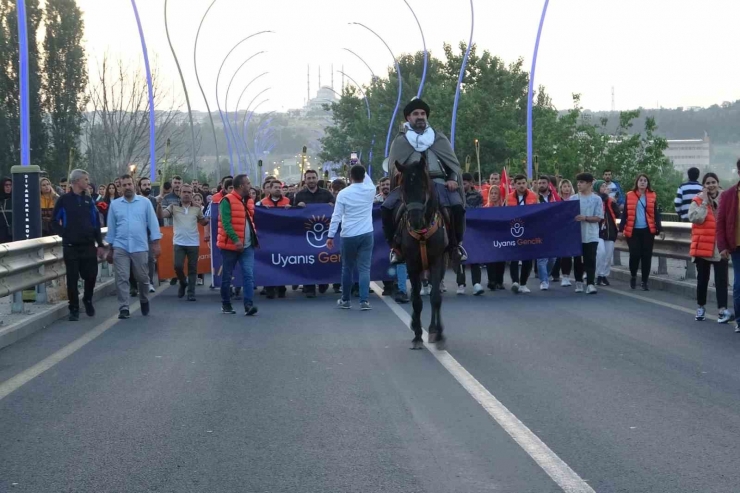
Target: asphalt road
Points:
(633, 396)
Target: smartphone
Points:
(353, 158)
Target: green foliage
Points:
(492, 109)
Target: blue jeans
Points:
(544, 267)
(736, 281)
(357, 252)
(402, 275)
(246, 260)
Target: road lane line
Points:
(559, 471)
(655, 302)
(12, 384)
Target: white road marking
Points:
(559, 471)
(11, 385)
(655, 302)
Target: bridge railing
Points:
(31, 264)
(673, 242)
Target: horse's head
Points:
(417, 193)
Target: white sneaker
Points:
(724, 316)
(591, 289)
(478, 289)
(515, 288)
(152, 289)
(442, 286)
(544, 286)
(425, 290)
(579, 287)
(565, 282)
(524, 290)
(461, 289)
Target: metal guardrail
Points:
(31, 263)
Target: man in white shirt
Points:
(186, 238)
(354, 211)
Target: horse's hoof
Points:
(432, 337)
(441, 344)
(417, 345)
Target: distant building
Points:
(689, 153)
(326, 95)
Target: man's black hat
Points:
(416, 104)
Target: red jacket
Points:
(727, 220)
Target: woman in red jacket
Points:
(704, 251)
(640, 223)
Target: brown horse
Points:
(424, 244)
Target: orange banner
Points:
(166, 262)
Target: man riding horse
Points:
(416, 140)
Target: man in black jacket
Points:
(312, 194)
(76, 221)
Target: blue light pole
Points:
(203, 93)
(530, 96)
(460, 77)
(152, 129)
(226, 104)
(236, 113)
(426, 54)
(25, 115)
(400, 86)
(225, 123)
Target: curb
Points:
(683, 288)
(34, 323)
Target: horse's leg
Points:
(418, 305)
(437, 307)
(435, 279)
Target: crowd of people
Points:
(77, 211)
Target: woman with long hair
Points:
(704, 251)
(495, 270)
(640, 224)
(48, 199)
(111, 194)
(564, 264)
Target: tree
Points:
(65, 81)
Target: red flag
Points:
(555, 193)
(505, 183)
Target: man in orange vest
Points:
(275, 198)
(237, 239)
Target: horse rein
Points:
(422, 235)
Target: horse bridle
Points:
(422, 235)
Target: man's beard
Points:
(544, 190)
(128, 193)
(146, 191)
(419, 125)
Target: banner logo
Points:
(317, 231)
(517, 228)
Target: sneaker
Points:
(337, 289)
(344, 305)
(191, 297)
(591, 289)
(152, 289)
(395, 258)
(579, 287)
(633, 282)
(737, 328)
(515, 288)
(181, 290)
(565, 283)
(544, 286)
(524, 290)
(74, 316)
(145, 308)
(724, 316)
(123, 314)
(365, 306)
(700, 314)
(500, 287)
(605, 281)
(402, 298)
(644, 286)
(227, 309)
(598, 281)
(89, 308)
(442, 286)
(492, 287)
(200, 282)
(173, 281)
(461, 289)
(323, 288)
(250, 310)
(426, 289)
(478, 289)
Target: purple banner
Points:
(293, 241)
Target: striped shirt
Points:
(684, 195)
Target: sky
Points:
(666, 53)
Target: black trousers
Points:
(495, 272)
(475, 274)
(587, 262)
(564, 265)
(522, 277)
(641, 252)
(81, 261)
(191, 252)
(703, 268)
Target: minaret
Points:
(332, 77)
(319, 76)
(342, 78)
(308, 87)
